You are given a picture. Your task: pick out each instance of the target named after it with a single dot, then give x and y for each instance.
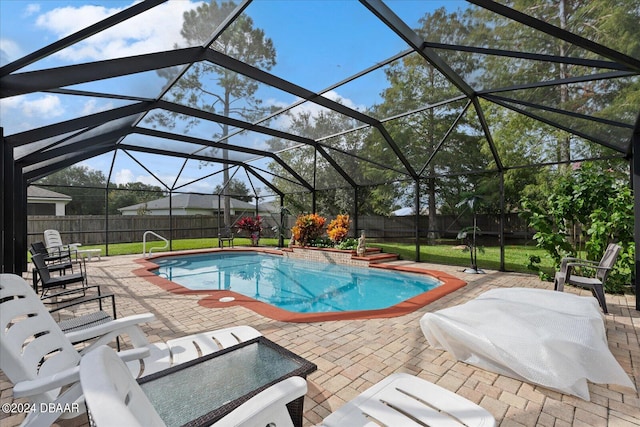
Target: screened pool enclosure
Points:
(358, 107)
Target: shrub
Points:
(598, 203)
(348, 244)
(308, 228)
(321, 242)
(339, 228)
(250, 224)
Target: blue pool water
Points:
(295, 285)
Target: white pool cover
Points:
(549, 338)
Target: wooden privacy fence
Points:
(446, 227)
(92, 230)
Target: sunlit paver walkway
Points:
(353, 355)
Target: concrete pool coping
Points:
(225, 298)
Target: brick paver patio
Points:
(352, 355)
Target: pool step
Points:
(375, 256)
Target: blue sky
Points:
(318, 43)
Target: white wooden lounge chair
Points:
(568, 273)
(115, 398)
(38, 358)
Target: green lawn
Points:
(516, 257)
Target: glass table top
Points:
(207, 388)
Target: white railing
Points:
(144, 243)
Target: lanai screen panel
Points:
(419, 135)
(317, 46)
(337, 83)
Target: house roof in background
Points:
(34, 192)
(190, 201)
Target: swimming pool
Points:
(294, 285)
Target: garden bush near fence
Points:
(587, 206)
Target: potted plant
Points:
(252, 226)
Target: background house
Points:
(41, 201)
(193, 204)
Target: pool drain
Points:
(227, 299)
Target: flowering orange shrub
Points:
(339, 228)
(308, 228)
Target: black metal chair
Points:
(225, 235)
(51, 255)
(47, 281)
(56, 260)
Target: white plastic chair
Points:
(38, 358)
(408, 401)
(53, 240)
(114, 398)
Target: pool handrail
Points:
(144, 243)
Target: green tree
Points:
(585, 209)
(236, 189)
(132, 193)
(415, 83)
(86, 187)
(215, 89)
(334, 194)
(614, 24)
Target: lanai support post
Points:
(282, 224)
(20, 221)
(502, 213)
(7, 248)
(13, 217)
(106, 219)
(635, 170)
(219, 219)
(170, 220)
(315, 184)
(356, 202)
(417, 220)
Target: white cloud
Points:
(334, 96)
(9, 51)
(92, 106)
(123, 176)
(31, 9)
(13, 102)
(46, 106)
(283, 121)
(132, 37)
